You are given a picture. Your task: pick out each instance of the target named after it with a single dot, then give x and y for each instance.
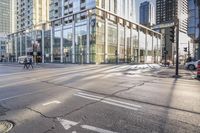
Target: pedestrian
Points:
(25, 63)
(31, 63)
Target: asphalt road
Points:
(97, 99)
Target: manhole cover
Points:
(5, 126)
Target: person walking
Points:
(25, 63)
(31, 63)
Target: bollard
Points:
(198, 70)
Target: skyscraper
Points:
(167, 10)
(31, 13)
(194, 24)
(166, 13)
(147, 14)
(5, 25)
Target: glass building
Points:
(193, 24)
(95, 32)
(147, 14)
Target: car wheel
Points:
(191, 67)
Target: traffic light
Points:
(172, 34)
(185, 49)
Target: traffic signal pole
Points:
(177, 47)
(165, 50)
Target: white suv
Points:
(192, 65)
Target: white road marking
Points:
(99, 130)
(108, 99)
(66, 123)
(69, 124)
(111, 102)
(52, 102)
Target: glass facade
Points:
(96, 36)
(193, 24)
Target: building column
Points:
(138, 44)
(146, 46)
(157, 51)
(88, 41)
(131, 42)
(106, 41)
(73, 42)
(16, 48)
(52, 42)
(152, 58)
(43, 44)
(26, 44)
(118, 42)
(20, 40)
(61, 45)
(125, 45)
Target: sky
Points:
(138, 7)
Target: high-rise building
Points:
(5, 21)
(147, 14)
(167, 12)
(194, 24)
(92, 31)
(31, 13)
(5, 25)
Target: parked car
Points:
(21, 59)
(192, 65)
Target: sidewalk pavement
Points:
(169, 72)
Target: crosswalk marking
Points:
(109, 101)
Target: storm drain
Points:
(5, 126)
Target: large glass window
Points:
(121, 44)
(92, 48)
(149, 48)
(23, 45)
(142, 42)
(128, 44)
(67, 45)
(100, 41)
(47, 46)
(18, 46)
(112, 42)
(135, 43)
(56, 46)
(81, 44)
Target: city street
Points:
(56, 98)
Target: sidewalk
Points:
(166, 72)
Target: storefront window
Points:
(81, 44)
(56, 46)
(100, 41)
(47, 46)
(142, 41)
(67, 45)
(135, 43)
(23, 46)
(18, 46)
(149, 48)
(112, 42)
(121, 44)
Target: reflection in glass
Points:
(56, 46)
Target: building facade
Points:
(94, 31)
(166, 13)
(194, 24)
(5, 25)
(147, 14)
(30, 13)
